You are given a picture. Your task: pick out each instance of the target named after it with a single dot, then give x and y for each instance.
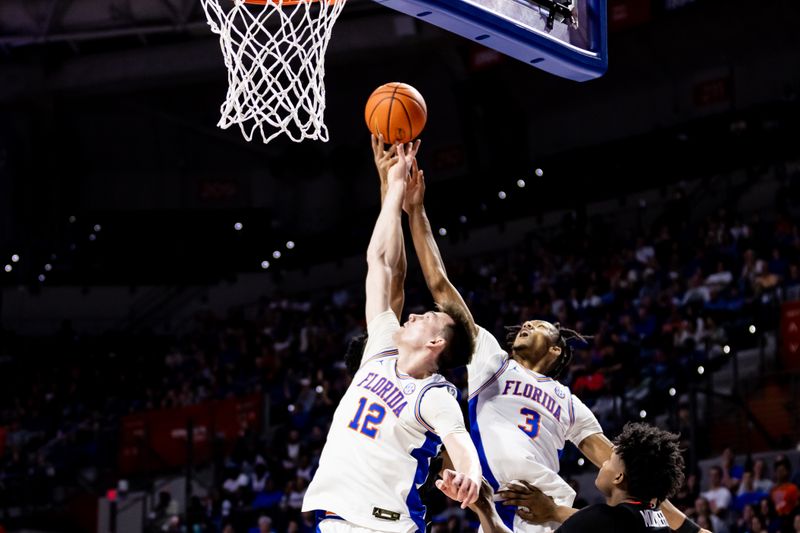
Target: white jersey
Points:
(384, 432)
(520, 420)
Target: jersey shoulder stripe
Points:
(491, 379)
(384, 353)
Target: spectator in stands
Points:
(784, 495)
(264, 525)
(731, 472)
(761, 479)
(718, 495)
(766, 510)
(748, 494)
(702, 509)
(745, 519)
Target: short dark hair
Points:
(461, 342)
(653, 461)
(565, 335)
(355, 353)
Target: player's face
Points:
(610, 472)
(421, 329)
(535, 338)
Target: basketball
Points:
(397, 111)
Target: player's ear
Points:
(619, 479)
(555, 349)
(436, 343)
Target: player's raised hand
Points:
(402, 163)
(534, 505)
(384, 159)
(415, 189)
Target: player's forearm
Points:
(397, 295)
(674, 516)
(429, 257)
(487, 514)
(385, 246)
(562, 513)
(463, 454)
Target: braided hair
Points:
(565, 336)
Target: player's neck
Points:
(539, 366)
(414, 364)
(617, 497)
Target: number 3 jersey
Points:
(520, 421)
(384, 432)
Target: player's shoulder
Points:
(438, 384)
(600, 518)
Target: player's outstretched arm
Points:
(433, 269)
(534, 505)
(385, 247)
(384, 159)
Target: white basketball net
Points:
(275, 56)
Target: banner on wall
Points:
(790, 335)
(157, 440)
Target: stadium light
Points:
(521, 184)
(581, 461)
(238, 226)
(15, 258)
(442, 231)
(97, 228)
(265, 264)
(502, 195)
(276, 254)
(701, 370)
(8, 268)
(462, 219)
(672, 391)
(290, 245)
(642, 414)
(752, 329)
(726, 349)
(539, 172)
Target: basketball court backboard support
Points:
(567, 38)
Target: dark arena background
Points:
(176, 302)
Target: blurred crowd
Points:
(748, 497)
(659, 301)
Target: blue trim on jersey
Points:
(506, 512)
(423, 455)
(426, 388)
(323, 515)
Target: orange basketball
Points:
(397, 111)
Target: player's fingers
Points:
(416, 146)
(526, 515)
(414, 167)
(448, 475)
(472, 495)
(513, 501)
(529, 486)
(463, 488)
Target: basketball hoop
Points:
(275, 55)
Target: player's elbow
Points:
(376, 256)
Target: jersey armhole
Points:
(492, 379)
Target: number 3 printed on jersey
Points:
(372, 420)
(531, 425)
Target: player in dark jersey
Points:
(645, 468)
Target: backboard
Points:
(567, 38)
